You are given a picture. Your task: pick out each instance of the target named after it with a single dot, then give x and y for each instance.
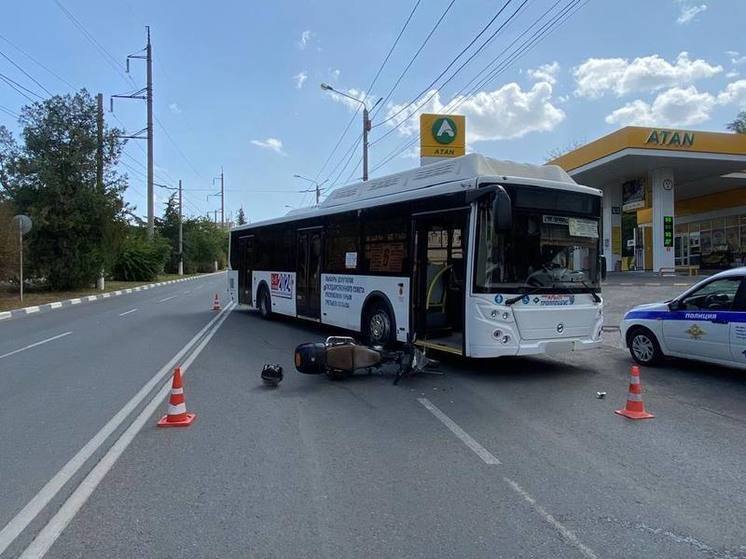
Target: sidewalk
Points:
(650, 279)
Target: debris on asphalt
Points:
(272, 374)
(600, 395)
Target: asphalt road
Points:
(505, 458)
(65, 373)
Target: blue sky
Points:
(237, 83)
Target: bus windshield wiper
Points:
(595, 296)
(521, 295)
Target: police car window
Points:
(718, 295)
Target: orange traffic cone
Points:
(635, 408)
(177, 415)
(216, 303)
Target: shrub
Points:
(140, 259)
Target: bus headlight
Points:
(505, 339)
(496, 334)
(506, 315)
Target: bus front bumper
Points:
(536, 347)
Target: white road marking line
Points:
(49, 534)
(478, 449)
(33, 309)
(167, 299)
(128, 312)
(187, 291)
(55, 305)
(35, 344)
(31, 510)
(568, 535)
(75, 301)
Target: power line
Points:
(370, 87)
(107, 56)
(40, 64)
(547, 29)
(9, 112)
(18, 87)
(178, 149)
(414, 57)
(454, 74)
(29, 76)
(448, 67)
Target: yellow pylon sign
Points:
(442, 135)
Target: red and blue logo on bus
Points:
(281, 284)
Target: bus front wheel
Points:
(378, 325)
(264, 303)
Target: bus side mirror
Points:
(502, 212)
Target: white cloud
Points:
(272, 144)
(735, 57)
(732, 74)
(734, 93)
(300, 79)
(597, 76)
(688, 11)
(305, 38)
(334, 73)
(174, 108)
(546, 72)
(507, 112)
(673, 107)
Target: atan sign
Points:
(674, 138)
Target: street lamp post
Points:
(366, 123)
(316, 185)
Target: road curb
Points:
(26, 311)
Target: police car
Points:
(707, 322)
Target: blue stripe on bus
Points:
(726, 316)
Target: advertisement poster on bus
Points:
(281, 285)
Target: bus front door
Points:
(439, 279)
(308, 273)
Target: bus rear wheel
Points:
(378, 325)
(264, 303)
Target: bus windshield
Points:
(547, 249)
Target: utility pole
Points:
(181, 234)
(316, 186)
(145, 94)
(366, 122)
(149, 103)
(366, 129)
(100, 142)
(222, 197)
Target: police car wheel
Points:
(644, 347)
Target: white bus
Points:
(472, 256)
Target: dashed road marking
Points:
(167, 299)
(567, 534)
(467, 439)
(127, 312)
(35, 344)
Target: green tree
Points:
(168, 228)
(241, 217)
(78, 227)
(738, 125)
(204, 243)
